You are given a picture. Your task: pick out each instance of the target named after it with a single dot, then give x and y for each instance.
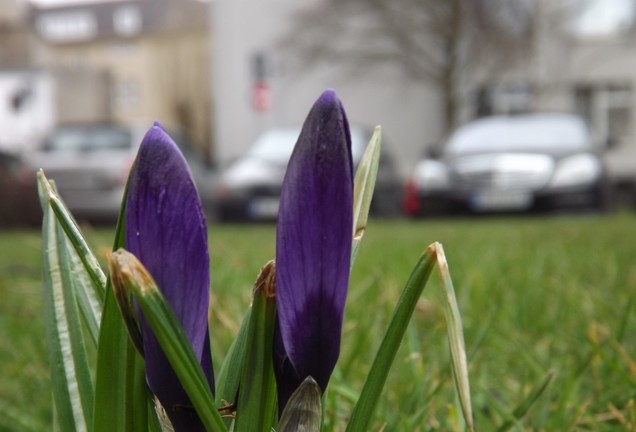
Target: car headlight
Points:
(576, 170)
(431, 175)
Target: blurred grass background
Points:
(537, 295)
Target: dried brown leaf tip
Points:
(266, 280)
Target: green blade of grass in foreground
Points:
(364, 184)
(120, 391)
(67, 222)
(70, 373)
(89, 304)
(256, 406)
(88, 276)
(229, 376)
(363, 410)
(129, 274)
(455, 337)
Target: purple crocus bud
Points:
(166, 231)
(313, 249)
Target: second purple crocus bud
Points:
(313, 249)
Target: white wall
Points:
(408, 113)
(23, 126)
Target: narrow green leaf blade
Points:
(130, 274)
(87, 298)
(257, 402)
(121, 393)
(138, 393)
(229, 376)
(364, 185)
(115, 361)
(303, 411)
(76, 336)
(74, 234)
(363, 411)
(455, 338)
(89, 295)
(70, 372)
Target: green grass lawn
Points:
(537, 296)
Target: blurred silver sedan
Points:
(90, 165)
(510, 164)
(249, 188)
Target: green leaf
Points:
(257, 401)
(115, 363)
(369, 396)
(364, 184)
(139, 396)
(89, 294)
(455, 337)
(121, 393)
(303, 411)
(70, 373)
(229, 376)
(66, 220)
(130, 275)
(363, 410)
(89, 303)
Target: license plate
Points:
(501, 201)
(264, 208)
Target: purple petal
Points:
(165, 229)
(313, 246)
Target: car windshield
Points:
(276, 145)
(89, 139)
(546, 133)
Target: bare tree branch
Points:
(437, 42)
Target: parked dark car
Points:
(19, 204)
(510, 164)
(249, 189)
(90, 164)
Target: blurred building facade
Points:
(15, 36)
(129, 62)
(581, 57)
(258, 85)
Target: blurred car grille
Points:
(265, 190)
(504, 172)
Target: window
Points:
(504, 99)
(127, 21)
(70, 26)
(608, 111)
(126, 95)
